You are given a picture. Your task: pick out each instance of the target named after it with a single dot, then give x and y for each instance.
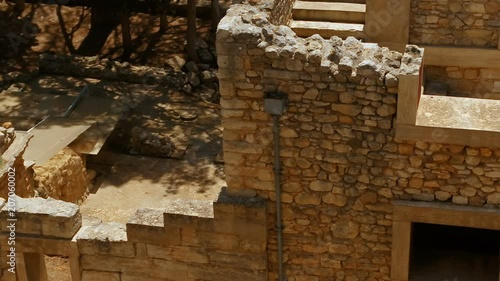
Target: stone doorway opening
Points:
(443, 252)
(432, 240)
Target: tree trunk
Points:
(126, 37)
(163, 21)
(20, 5)
(215, 14)
(191, 30)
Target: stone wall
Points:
(342, 165)
(11, 161)
(473, 23)
(154, 245)
(467, 82)
(63, 177)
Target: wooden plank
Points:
(408, 98)
(74, 262)
(52, 135)
(21, 270)
(401, 244)
(463, 57)
(475, 138)
(446, 214)
(35, 266)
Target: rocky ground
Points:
(177, 118)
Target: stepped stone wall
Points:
(483, 83)
(473, 23)
(154, 245)
(342, 166)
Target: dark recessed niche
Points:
(450, 253)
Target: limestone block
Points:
(105, 239)
(147, 226)
(88, 275)
(116, 264)
(48, 217)
(171, 270)
(238, 260)
(207, 272)
(345, 229)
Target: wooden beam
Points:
(463, 57)
(475, 138)
(446, 214)
(401, 244)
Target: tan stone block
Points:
(100, 276)
(238, 124)
(494, 198)
(115, 264)
(461, 200)
(345, 229)
(339, 249)
(239, 260)
(321, 185)
(307, 199)
(405, 148)
(416, 182)
(140, 277)
(335, 199)
(242, 147)
(207, 272)
(231, 49)
(170, 270)
(259, 184)
(153, 234)
(489, 73)
(347, 109)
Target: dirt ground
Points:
(125, 182)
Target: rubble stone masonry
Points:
(473, 23)
(342, 165)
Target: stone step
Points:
(330, 12)
(327, 29)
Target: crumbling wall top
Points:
(250, 27)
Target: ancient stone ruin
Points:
(376, 176)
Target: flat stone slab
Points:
(42, 217)
(108, 232)
(459, 113)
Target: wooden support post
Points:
(401, 244)
(74, 262)
(21, 269)
(35, 267)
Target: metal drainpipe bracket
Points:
(275, 103)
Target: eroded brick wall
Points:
(473, 23)
(342, 165)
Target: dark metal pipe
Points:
(277, 183)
